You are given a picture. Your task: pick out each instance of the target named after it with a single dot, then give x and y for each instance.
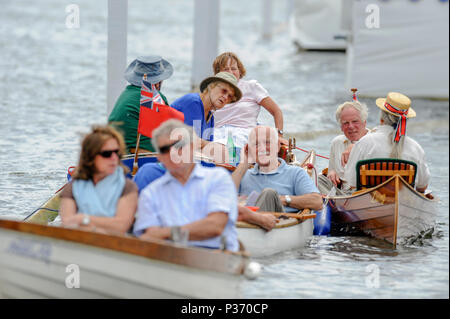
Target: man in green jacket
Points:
(125, 115)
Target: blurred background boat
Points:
(399, 45)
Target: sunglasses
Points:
(166, 148)
(107, 154)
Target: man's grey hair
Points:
(360, 107)
(392, 120)
(174, 129)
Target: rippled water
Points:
(53, 87)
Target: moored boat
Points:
(290, 233)
(392, 211)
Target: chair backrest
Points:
(373, 172)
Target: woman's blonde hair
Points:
(221, 61)
(91, 146)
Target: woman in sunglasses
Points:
(99, 196)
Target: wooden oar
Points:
(292, 215)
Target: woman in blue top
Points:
(99, 196)
(198, 108)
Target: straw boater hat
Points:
(399, 105)
(396, 104)
(225, 77)
(156, 68)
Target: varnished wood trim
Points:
(397, 188)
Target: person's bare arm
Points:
(67, 209)
(121, 222)
(208, 227)
(312, 201)
(334, 177)
(269, 104)
(265, 221)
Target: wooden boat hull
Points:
(392, 211)
(36, 261)
(287, 235)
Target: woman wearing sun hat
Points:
(389, 140)
(198, 108)
(125, 115)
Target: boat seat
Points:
(372, 172)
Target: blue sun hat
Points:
(156, 68)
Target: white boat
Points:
(319, 25)
(40, 261)
(399, 45)
(290, 233)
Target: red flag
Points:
(151, 118)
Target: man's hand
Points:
(283, 141)
(346, 154)
(333, 177)
(266, 221)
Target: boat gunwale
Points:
(369, 190)
(201, 258)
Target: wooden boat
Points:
(392, 211)
(40, 261)
(291, 233)
(36, 260)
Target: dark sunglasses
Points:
(166, 148)
(107, 154)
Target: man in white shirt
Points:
(352, 117)
(389, 140)
(200, 201)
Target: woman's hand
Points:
(73, 220)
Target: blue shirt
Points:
(166, 203)
(194, 115)
(150, 172)
(147, 173)
(286, 180)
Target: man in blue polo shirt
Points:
(282, 187)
